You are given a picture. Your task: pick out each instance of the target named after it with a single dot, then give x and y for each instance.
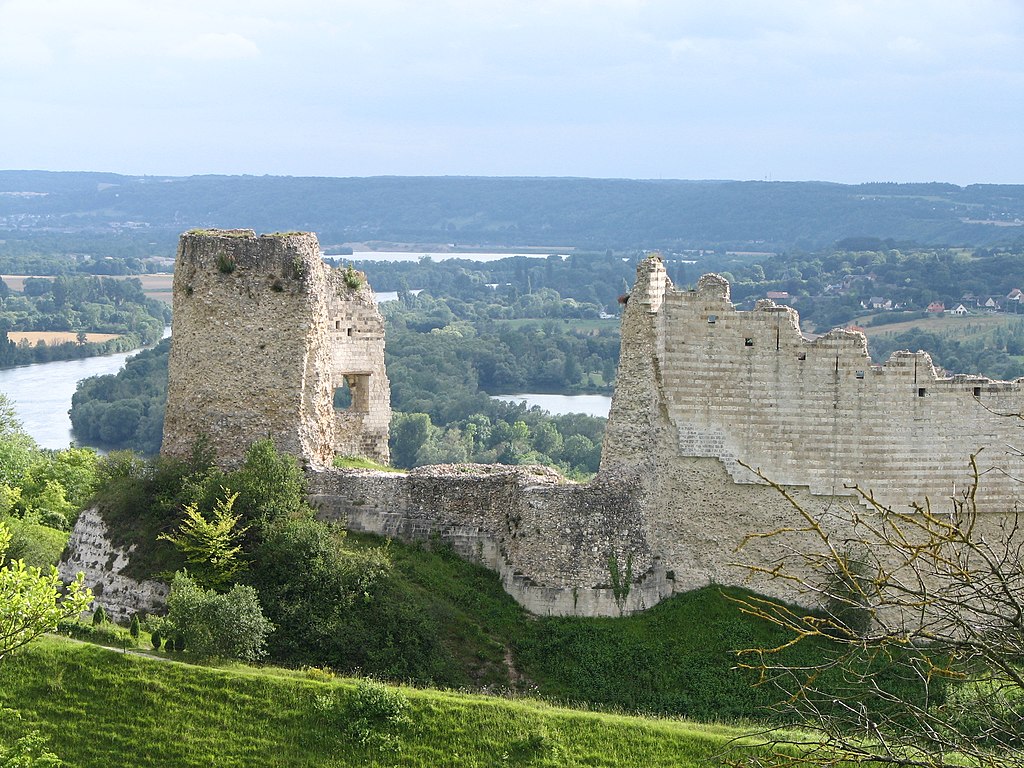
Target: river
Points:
(410, 256)
(591, 405)
(41, 393)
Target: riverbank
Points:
(41, 392)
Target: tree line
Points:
(442, 372)
(593, 213)
(79, 305)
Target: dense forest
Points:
(136, 216)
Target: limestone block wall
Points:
(704, 389)
(559, 547)
(356, 332)
(256, 350)
(91, 552)
(748, 388)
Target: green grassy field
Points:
(98, 707)
(970, 327)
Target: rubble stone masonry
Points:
(264, 333)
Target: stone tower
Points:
(264, 335)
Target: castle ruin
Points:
(705, 393)
(265, 334)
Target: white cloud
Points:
(214, 45)
(19, 52)
(474, 70)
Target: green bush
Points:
(156, 639)
(353, 278)
(104, 634)
(38, 545)
(370, 716)
(54, 519)
(373, 714)
(209, 624)
(99, 616)
(135, 627)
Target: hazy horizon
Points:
(504, 176)
(791, 90)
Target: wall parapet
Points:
(560, 548)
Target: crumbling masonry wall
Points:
(264, 333)
(704, 391)
(560, 548)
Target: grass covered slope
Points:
(677, 658)
(420, 613)
(98, 707)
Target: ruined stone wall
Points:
(356, 333)
(704, 389)
(560, 548)
(703, 392)
(748, 388)
(256, 349)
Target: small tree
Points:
(211, 547)
(923, 629)
(31, 600)
(29, 751)
(135, 628)
(99, 616)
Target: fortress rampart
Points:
(749, 388)
(704, 391)
(560, 548)
(264, 332)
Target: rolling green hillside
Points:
(98, 707)
(600, 213)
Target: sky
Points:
(894, 90)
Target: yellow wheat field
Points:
(56, 337)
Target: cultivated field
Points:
(57, 337)
(155, 286)
(945, 325)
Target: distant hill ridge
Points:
(589, 213)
